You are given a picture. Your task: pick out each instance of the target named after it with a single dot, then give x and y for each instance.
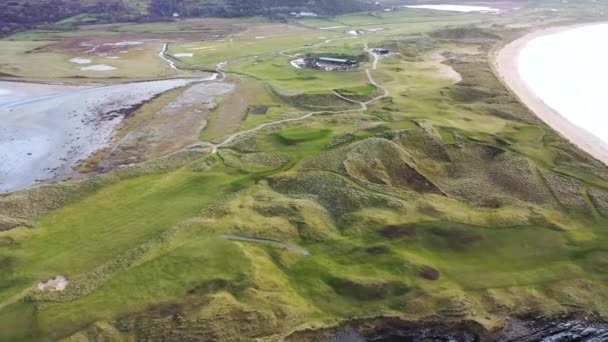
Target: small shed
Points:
(381, 51)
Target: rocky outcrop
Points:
(531, 329)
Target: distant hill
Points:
(23, 14)
(239, 8)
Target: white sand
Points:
(558, 104)
(79, 60)
(5, 94)
(183, 55)
(125, 43)
(297, 63)
(456, 8)
(59, 283)
(43, 136)
(98, 67)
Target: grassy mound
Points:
(337, 194)
(469, 94)
(466, 34)
(600, 200)
(421, 144)
(301, 134)
(254, 162)
(567, 192)
(381, 161)
(361, 94)
(366, 289)
(8, 223)
(481, 174)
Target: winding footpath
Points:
(163, 54)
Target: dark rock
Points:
(527, 329)
(429, 273)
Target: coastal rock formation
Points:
(520, 330)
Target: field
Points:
(445, 198)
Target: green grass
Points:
(144, 256)
(279, 73)
(296, 135)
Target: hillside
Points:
(243, 8)
(22, 14)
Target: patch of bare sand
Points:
(59, 283)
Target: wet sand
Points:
(47, 129)
(506, 63)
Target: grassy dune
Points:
(447, 199)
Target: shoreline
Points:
(505, 62)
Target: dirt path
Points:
(269, 241)
(163, 54)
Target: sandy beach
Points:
(47, 129)
(506, 63)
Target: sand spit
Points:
(43, 137)
(506, 63)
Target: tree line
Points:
(245, 8)
(18, 15)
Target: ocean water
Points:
(569, 72)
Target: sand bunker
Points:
(183, 55)
(298, 63)
(79, 60)
(59, 283)
(98, 67)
